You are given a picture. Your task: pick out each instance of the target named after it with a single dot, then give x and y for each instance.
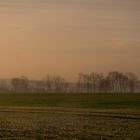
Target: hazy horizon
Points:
(65, 37)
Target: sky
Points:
(67, 37)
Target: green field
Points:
(70, 116)
(97, 101)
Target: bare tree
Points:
(54, 84)
(20, 84)
(95, 81)
(113, 82)
(90, 83)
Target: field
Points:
(69, 116)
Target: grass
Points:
(98, 101)
(70, 116)
(88, 101)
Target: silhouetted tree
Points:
(20, 84)
(55, 84)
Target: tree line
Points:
(113, 82)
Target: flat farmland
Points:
(70, 116)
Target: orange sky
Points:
(65, 37)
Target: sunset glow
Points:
(65, 37)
